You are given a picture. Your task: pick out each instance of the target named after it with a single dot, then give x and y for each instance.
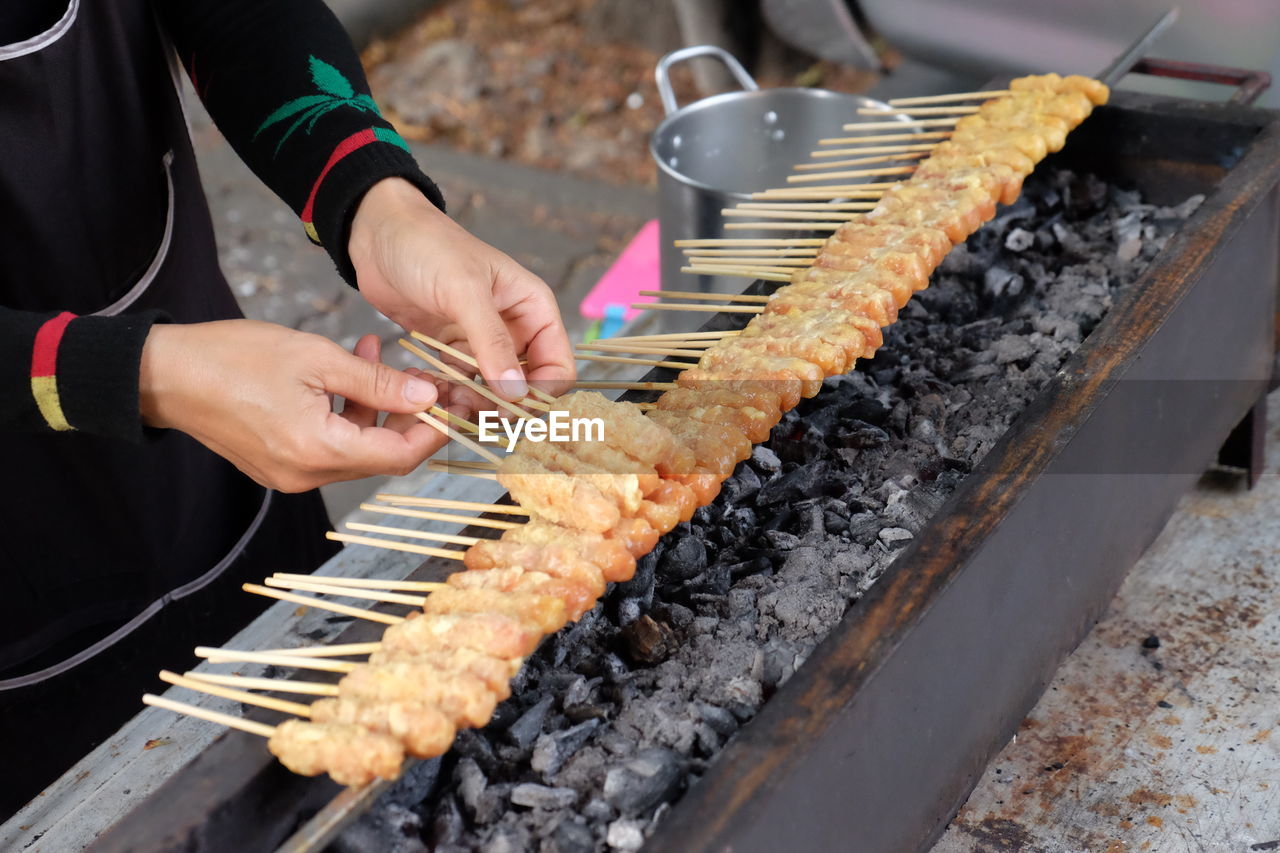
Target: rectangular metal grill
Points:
(879, 737)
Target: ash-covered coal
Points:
(617, 715)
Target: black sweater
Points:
(284, 85)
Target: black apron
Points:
(116, 559)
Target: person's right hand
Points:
(259, 395)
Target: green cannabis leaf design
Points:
(336, 93)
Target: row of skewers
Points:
(584, 511)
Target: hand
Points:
(427, 273)
(258, 395)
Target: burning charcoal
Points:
(895, 537)
(717, 718)
(864, 526)
(765, 460)
(543, 797)
(599, 811)
(471, 783)
(625, 834)
(648, 642)
(742, 696)
(1000, 282)
(1019, 240)
(572, 836)
(860, 436)
(525, 730)
(780, 518)
(651, 777)
(392, 828)
(708, 740)
(555, 748)
(1013, 348)
(780, 540)
(742, 486)
(448, 826)
(869, 410)
(511, 838)
(684, 559)
(628, 610)
(714, 582)
(802, 482)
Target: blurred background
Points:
(535, 115)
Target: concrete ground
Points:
(566, 230)
(1161, 732)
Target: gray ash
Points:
(617, 715)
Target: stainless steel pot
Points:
(715, 152)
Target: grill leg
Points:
(1245, 447)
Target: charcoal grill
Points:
(879, 738)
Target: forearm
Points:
(285, 86)
(59, 372)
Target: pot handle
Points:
(664, 83)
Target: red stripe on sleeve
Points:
(345, 147)
(44, 354)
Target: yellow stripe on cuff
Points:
(45, 390)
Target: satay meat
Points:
(349, 753)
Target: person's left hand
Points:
(427, 273)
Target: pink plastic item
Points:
(637, 268)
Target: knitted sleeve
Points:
(62, 372)
(284, 85)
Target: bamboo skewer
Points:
(900, 124)
(645, 362)
(466, 359)
(918, 111)
(449, 503)
(856, 161)
(714, 309)
(797, 205)
(639, 348)
(733, 272)
(458, 437)
(876, 138)
(876, 149)
(807, 194)
(834, 215)
(343, 589)
(392, 545)
(320, 604)
(626, 386)
(692, 294)
(880, 158)
(454, 468)
(335, 650)
(227, 720)
(457, 420)
(440, 516)
(957, 96)
(748, 261)
(365, 593)
(451, 538)
(214, 655)
(371, 583)
(850, 173)
(748, 241)
(668, 336)
(462, 380)
(296, 708)
(782, 226)
(280, 685)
